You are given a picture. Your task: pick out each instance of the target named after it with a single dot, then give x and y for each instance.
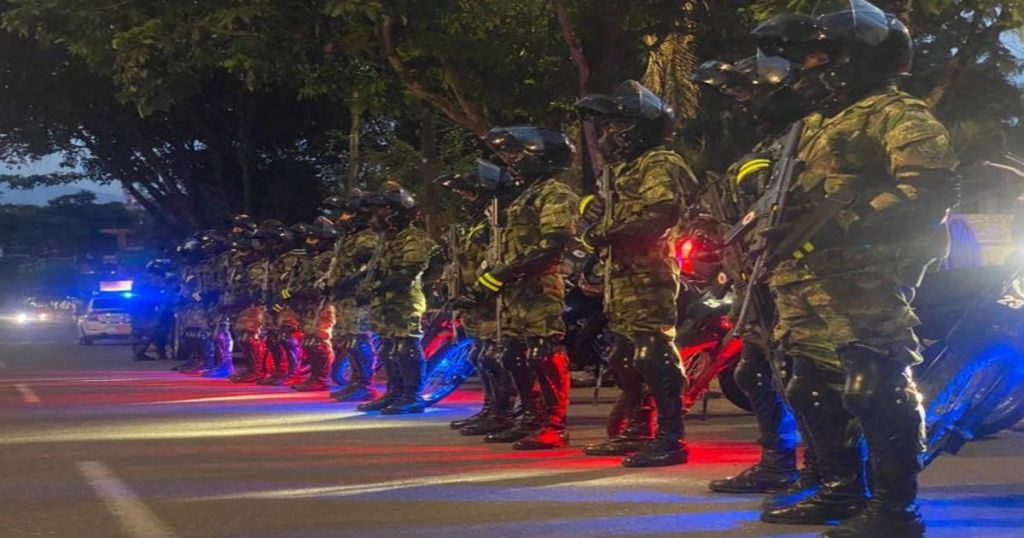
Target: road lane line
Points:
(27, 394)
(136, 519)
(473, 477)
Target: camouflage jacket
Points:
(659, 176)
(407, 253)
(889, 155)
(544, 208)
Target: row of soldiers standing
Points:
(828, 327)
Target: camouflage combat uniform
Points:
(644, 277)
(249, 295)
(284, 332)
(480, 320)
(533, 308)
(532, 327)
(849, 290)
(875, 149)
(398, 314)
(352, 337)
(641, 292)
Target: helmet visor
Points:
(633, 96)
(855, 20)
(492, 176)
(774, 70)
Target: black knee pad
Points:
(814, 388)
(874, 382)
(654, 347)
(405, 347)
(752, 371)
(538, 349)
(621, 354)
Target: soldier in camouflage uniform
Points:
(880, 156)
(284, 331)
(771, 107)
(248, 298)
(526, 275)
(466, 256)
(352, 338)
(394, 291)
(202, 286)
(309, 293)
(226, 266)
(636, 219)
(186, 309)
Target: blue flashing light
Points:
(127, 295)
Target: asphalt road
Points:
(95, 445)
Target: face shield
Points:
(493, 177)
(639, 101)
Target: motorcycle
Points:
(971, 378)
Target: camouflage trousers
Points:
(820, 313)
(532, 309)
(350, 319)
(642, 302)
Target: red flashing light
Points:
(686, 250)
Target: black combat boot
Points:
(414, 368)
(629, 425)
(254, 348)
(881, 394)
(362, 360)
(503, 399)
(815, 392)
(638, 431)
(777, 427)
(320, 355)
(550, 364)
(478, 352)
(394, 388)
(223, 348)
(530, 411)
(659, 363)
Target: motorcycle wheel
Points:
(732, 391)
(1006, 414)
(448, 368)
(950, 414)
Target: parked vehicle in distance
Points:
(106, 316)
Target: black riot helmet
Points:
(213, 242)
(632, 120)
(191, 250)
(243, 225)
(528, 152)
(843, 48)
(160, 267)
(346, 212)
(276, 237)
(315, 237)
(763, 96)
(393, 207)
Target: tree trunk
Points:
(244, 152)
(429, 171)
(354, 131)
(591, 160)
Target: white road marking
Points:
(309, 422)
(377, 487)
(137, 520)
(240, 398)
(27, 394)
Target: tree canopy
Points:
(203, 109)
